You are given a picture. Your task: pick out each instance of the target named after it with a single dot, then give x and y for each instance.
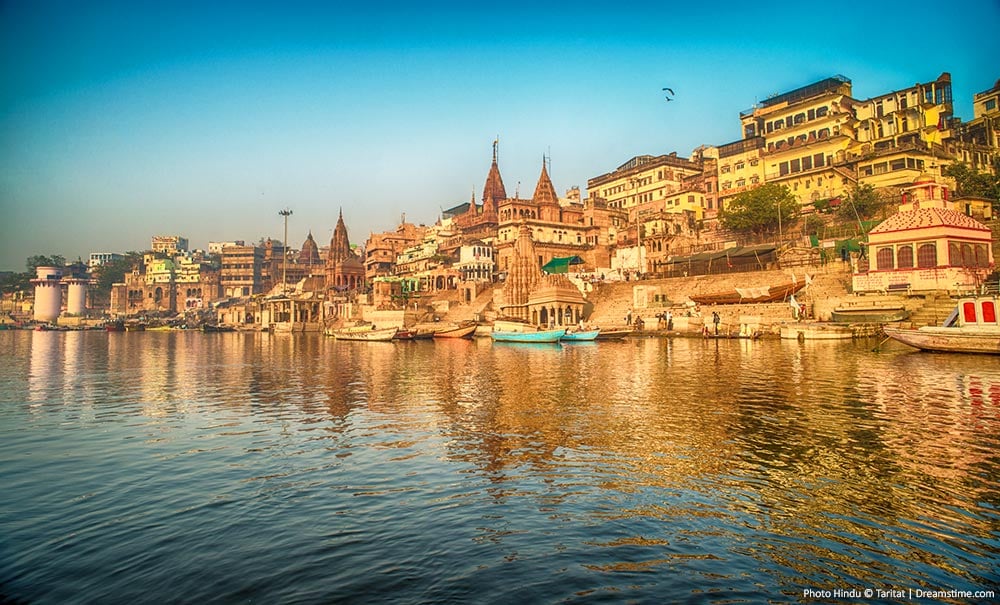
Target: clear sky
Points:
(119, 121)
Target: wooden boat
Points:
(456, 332)
(413, 334)
(115, 326)
(217, 328)
(869, 314)
(613, 334)
(581, 336)
(368, 333)
(738, 296)
(971, 328)
(539, 336)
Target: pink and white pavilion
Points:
(927, 245)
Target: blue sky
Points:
(119, 121)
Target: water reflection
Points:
(736, 464)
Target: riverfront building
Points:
(926, 245)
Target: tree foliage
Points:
(862, 203)
(40, 260)
(971, 182)
(757, 211)
(114, 271)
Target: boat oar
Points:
(879, 345)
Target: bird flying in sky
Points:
(670, 92)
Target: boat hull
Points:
(869, 315)
(383, 335)
(948, 340)
(749, 296)
(584, 336)
(463, 332)
(540, 336)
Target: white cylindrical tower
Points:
(48, 293)
(76, 295)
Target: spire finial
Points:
(496, 142)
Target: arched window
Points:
(954, 254)
(927, 255)
(982, 256)
(968, 257)
(904, 257)
(883, 259)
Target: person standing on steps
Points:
(715, 320)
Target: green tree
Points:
(862, 203)
(757, 211)
(114, 271)
(40, 260)
(971, 182)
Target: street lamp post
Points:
(284, 251)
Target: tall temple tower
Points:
(524, 275)
(344, 271)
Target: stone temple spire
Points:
(493, 190)
(524, 274)
(340, 245)
(545, 192)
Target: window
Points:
(989, 312)
(982, 256)
(991, 104)
(880, 168)
(927, 256)
(904, 257)
(783, 168)
(821, 111)
(779, 124)
(807, 163)
(724, 169)
(739, 165)
(796, 165)
(799, 118)
(897, 165)
(818, 160)
(969, 312)
(883, 258)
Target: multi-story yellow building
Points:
(740, 167)
(901, 134)
(978, 140)
(807, 132)
(642, 180)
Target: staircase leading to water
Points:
(935, 310)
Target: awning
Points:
(561, 264)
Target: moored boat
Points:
(580, 336)
(414, 334)
(456, 332)
(762, 294)
(539, 336)
(614, 334)
(971, 328)
(869, 314)
(369, 333)
(115, 326)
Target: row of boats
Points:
(524, 334)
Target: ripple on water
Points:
(648, 470)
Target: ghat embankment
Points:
(609, 303)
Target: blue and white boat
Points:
(581, 336)
(539, 336)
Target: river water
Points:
(189, 467)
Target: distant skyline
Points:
(120, 121)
